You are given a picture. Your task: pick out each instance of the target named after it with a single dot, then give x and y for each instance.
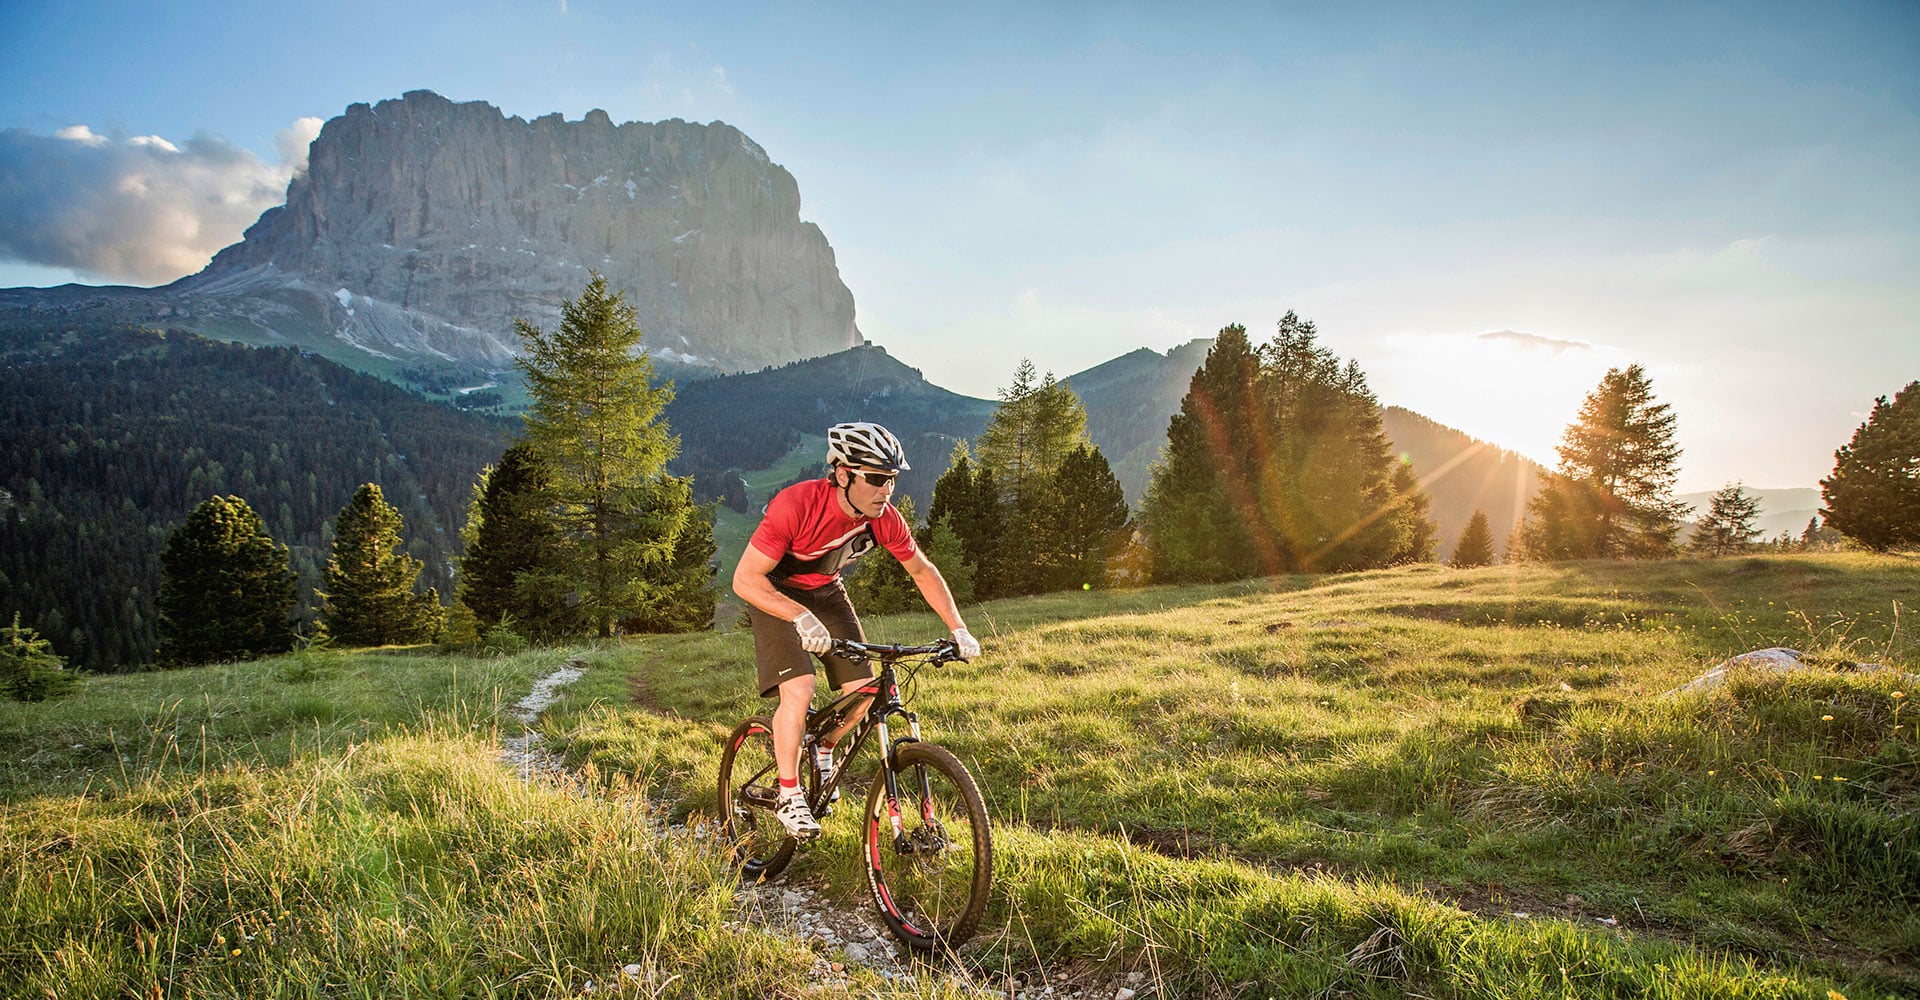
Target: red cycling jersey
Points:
(807, 521)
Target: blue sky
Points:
(1486, 207)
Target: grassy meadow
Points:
(1413, 782)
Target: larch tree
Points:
(1727, 528)
(369, 597)
(226, 588)
(1475, 547)
(1612, 496)
(1038, 423)
(594, 420)
(1873, 495)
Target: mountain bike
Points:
(928, 847)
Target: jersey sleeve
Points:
(890, 530)
(774, 537)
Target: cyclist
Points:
(790, 579)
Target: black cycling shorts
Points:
(776, 645)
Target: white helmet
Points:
(868, 445)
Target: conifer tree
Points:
(1727, 527)
(29, 668)
(369, 598)
(514, 567)
(226, 589)
(1200, 496)
(878, 584)
(681, 597)
(1084, 521)
(1613, 494)
(1035, 427)
(1475, 547)
(1277, 462)
(1422, 537)
(1873, 495)
(944, 548)
(967, 501)
(594, 420)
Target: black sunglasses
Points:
(877, 479)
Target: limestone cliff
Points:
(423, 228)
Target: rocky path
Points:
(842, 938)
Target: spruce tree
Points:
(1613, 494)
(514, 568)
(878, 584)
(1278, 462)
(1414, 510)
(943, 546)
(29, 668)
(1084, 520)
(594, 420)
(1873, 495)
(969, 509)
(369, 598)
(1475, 547)
(680, 595)
(1200, 496)
(1727, 528)
(226, 590)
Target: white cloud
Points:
(1534, 340)
(140, 209)
(720, 80)
(82, 135)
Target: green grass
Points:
(1423, 749)
(1303, 786)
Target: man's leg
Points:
(790, 723)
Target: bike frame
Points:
(884, 689)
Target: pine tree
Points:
(514, 567)
(1200, 497)
(29, 668)
(594, 420)
(1085, 520)
(1873, 495)
(1728, 526)
(1475, 547)
(1613, 494)
(226, 589)
(369, 598)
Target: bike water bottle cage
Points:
(829, 562)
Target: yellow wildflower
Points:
(1826, 718)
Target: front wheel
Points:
(749, 786)
(929, 849)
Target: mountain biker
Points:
(790, 579)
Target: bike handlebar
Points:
(941, 650)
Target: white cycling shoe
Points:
(793, 813)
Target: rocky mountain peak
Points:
(428, 225)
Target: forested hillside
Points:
(1464, 474)
(747, 422)
(113, 434)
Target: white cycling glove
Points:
(814, 637)
(969, 646)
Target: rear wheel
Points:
(929, 851)
(748, 790)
